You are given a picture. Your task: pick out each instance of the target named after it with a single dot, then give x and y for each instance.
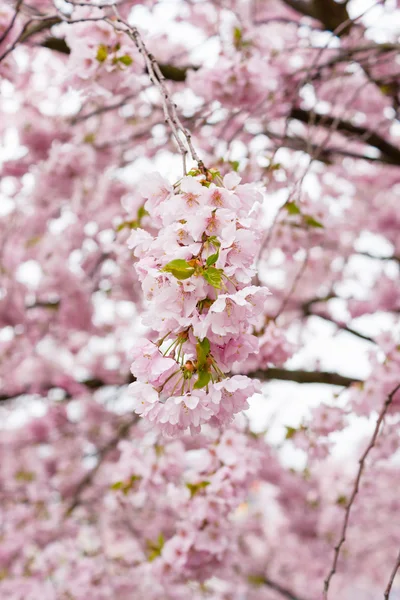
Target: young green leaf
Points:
(155, 548)
(203, 350)
(214, 241)
(196, 487)
(292, 208)
(213, 276)
(290, 432)
(312, 222)
(126, 60)
(179, 268)
(102, 53)
(212, 259)
(203, 380)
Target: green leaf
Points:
(155, 548)
(290, 432)
(256, 580)
(212, 259)
(126, 60)
(235, 165)
(312, 222)
(214, 241)
(213, 276)
(342, 500)
(237, 37)
(274, 166)
(130, 224)
(25, 476)
(89, 138)
(102, 53)
(118, 485)
(179, 268)
(125, 486)
(196, 487)
(202, 380)
(214, 173)
(142, 212)
(203, 350)
(292, 208)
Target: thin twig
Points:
(11, 24)
(362, 460)
(391, 579)
(88, 478)
(158, 79)
(283, 591)
(294, 285)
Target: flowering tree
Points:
(192, 192)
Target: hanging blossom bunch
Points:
(195, 272)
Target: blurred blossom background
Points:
(297, 497)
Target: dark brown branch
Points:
(342, 327)
(57, 44)
(277, 587)
(301, 376)
(32, 26)
(391, 579)
(301, 6)
(348, 129)
(11, 24)
(333, 15)
(281, 374)
(307, 306)
(356, 486)
(369, 255)
(283, 591)
(325, 155)
(170, 72)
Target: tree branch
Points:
(341, 327)
(102, 453)
(281, 374)
(325, 155)
(283, 591)
(169, 71)
(362, 460)
(391, 579)
(301, 376)
(333, 15)
(368, 136)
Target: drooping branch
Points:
(356, 486)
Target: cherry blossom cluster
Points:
(196, 271)
(199, 493)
